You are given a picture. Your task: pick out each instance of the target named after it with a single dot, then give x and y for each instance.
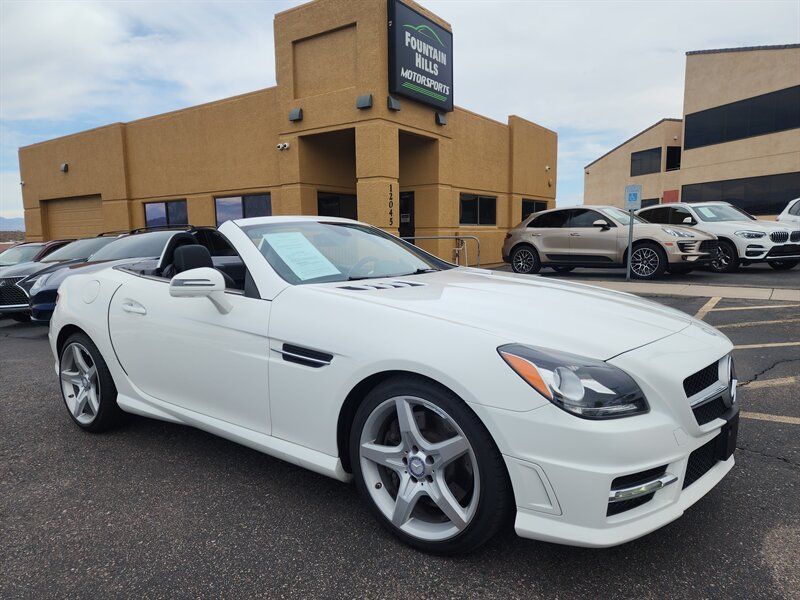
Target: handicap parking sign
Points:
(633, 197)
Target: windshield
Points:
(138, 245)
(19, 254)
(621, 216)
(79, 249)
(315, 252)
(713, 213)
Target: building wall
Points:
(327, 52)
(606, 178)
(713, 78)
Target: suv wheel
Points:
(525, 259)
(727, 259)
(648, 261)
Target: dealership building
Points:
(738, 140)
(361, 124)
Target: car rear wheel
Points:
(783, 265)
(727, 258)
(87, 388)
(525, 259)
(428, 468)
(648, 261)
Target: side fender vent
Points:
(305, 356)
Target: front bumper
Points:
(42, 306)
(14, 308)
(694, 252)
(563, 468)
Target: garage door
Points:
(73, 217)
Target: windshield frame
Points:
(287, 274)
(53, 257)
(167, 233)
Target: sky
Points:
(596, 72)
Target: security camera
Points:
(285, 145)
(279, 147)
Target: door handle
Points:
(574, 235)
(536, 235)
(134, 307)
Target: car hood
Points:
(656, 230)
(734, 226)
(560, 315)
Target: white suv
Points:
(743, 239)
(791, 214)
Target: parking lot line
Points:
(726, 308)
(773, 418)
(775, 345)
(752, 323)
(778, 381)
(708, 306)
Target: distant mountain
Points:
(15, 224)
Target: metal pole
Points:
(630, 245)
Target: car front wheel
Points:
(783, 265)
(525, 259)
(428, 467)
(648, 261)
(727, 258)
(87, 388)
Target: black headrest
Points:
(191, 257)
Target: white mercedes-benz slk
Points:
(456, 398)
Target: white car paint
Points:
(749, 250)
(791, 214)
(183, 360)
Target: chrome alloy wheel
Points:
(523, 260)
(644, 262)
(79, 384)
(419, 468)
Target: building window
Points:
(337, 205)
(649, 202)
(646, 161)
(166, 214)
(532, 206)
(673, 158)
(478, 210)
(242, 207)
(766, 195)
(759, 115)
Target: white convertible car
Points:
(456, 398)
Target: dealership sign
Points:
(420, 58)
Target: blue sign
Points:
(633, 197)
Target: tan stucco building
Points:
(738, 140)
(329, 138)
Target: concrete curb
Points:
(705, 291)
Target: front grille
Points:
(701, 380)
(710, 246)
(10, 293)
(785, 250)
(795, 237)
(626, 481)
(779, 237)
(686, 246)
(705, 413)
(700, 462)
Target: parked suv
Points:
(597, 236)
(743, 239)
(790, 214)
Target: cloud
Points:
(596, 72)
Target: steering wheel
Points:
(361, 263)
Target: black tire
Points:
(525, 260)
(495, 504)
(783, 265)
(654, 267)
(727, 259)
(563, 269)
(109, 413)
(21, 317)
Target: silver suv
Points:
(597, 236)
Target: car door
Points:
(184, 352)
(548, 232)
(589, 243)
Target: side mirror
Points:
(689, 221)
(196, 283)
(603, 225)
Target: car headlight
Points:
(38, 282)
(751, 235)
(676, 232)
(584, 387)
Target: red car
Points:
(29, 251)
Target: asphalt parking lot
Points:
(161, 510)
